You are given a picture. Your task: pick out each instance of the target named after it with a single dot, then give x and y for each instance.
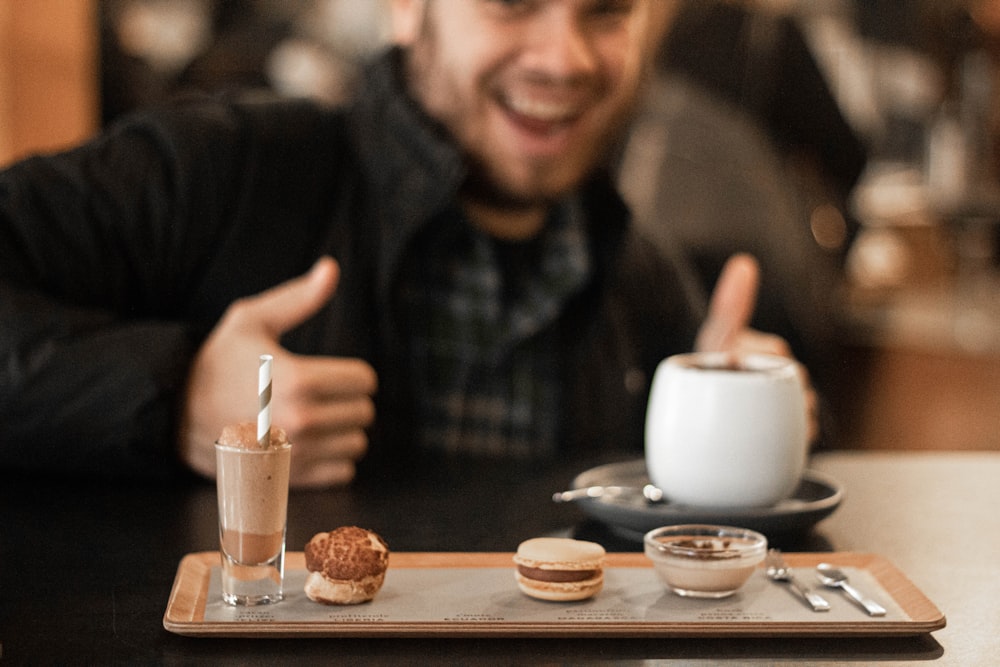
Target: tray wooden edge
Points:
(189, 594)
(185, 611)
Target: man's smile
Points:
(542, 109)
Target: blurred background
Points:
(852, 145)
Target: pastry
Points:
(559, 569)
(346, 566)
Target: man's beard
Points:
(487, 189)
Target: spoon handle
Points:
(649, 493)
(815, 600)
(873, 608)
(589, 492)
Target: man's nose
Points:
(561, 46)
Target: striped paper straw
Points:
(264, 401)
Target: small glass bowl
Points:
(704, 561)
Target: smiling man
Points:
(533, 91)
(475, 287)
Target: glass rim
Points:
(255, 450)
(653, 537)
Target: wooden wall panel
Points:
(49, 75)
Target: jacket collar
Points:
(415, 171)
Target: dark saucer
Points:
(816, 497)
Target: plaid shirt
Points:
(479, 314)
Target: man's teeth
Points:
(541, 110)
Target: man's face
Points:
(533, 90)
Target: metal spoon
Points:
(651, 493)
(834, 578)
(777, 570)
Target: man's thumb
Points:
(732, 305)
(291, 303)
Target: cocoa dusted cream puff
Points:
(559, 569)
(346, 566)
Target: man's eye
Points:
(595, 8)
(512, 6)
(613, 6)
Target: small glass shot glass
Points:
(252, 486)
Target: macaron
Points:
(559, 569)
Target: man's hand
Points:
(727, 326)
(323, 403)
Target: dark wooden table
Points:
(86, 567)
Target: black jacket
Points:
(118, 257)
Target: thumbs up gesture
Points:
(727, 326)
(323, 403)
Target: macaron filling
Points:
(555, 576)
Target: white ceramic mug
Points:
(725, 430)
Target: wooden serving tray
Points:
(475, 595)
